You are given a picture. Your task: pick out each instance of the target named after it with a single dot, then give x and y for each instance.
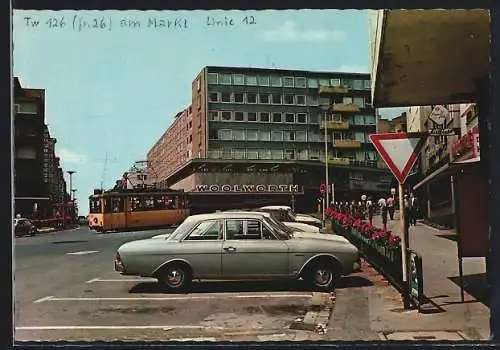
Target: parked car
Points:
(289, 220)
(82, 220)
(24, 227)
(304, 218)
(238, 246)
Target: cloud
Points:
(288, 32)
(353, 68)
(70, 157)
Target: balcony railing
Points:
(332, 90)
(347, 144)
(345, 107)
(338, 161)
(335, 125)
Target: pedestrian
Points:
(383, 212)
(369, 210)
(390, 207)
(406, 211)
(413, 209)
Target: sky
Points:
(112, 91)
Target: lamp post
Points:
(327, 189)
(70, 172)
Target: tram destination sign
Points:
(248, 188)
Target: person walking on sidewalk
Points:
(369, 210)
(413, 209)
(383, 212)
(406, 210)
(390, 207)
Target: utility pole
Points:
(327, 187)
(70, 172)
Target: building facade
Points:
(270, 127)
(137, 176)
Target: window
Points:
(370, 120)
(347, 100)
(225, 134)
(289, 117)
(206, 231)
(265, 136)
(312, 100)
(335, 82)
(252, 154)
(251, 98)
(238, 97)
(276, 136)
(239, 116)
(239, 135)
(302, 154)
(301, 136)
(289, 154)
(358, 84)
(347, 83)
(324, 101)
(213, 97)
(288, 81)
(301, 100)
(265, 154)
(324, 82)
(289, 135)
(368, 84)
(225, 116)
(313, 154)
(238, 79)
(239, 153)
(225, 79)
(263, 80)
(264, 117)
(212, 78)
(213, 115)
(300, 82)
(359, 120)
(277, 118)
(251, 80)
(312, 83)
(275, 81)
(234, 229)
(264, 98)
(313, 137)
(225, 97)
(252, 135)
(252, 116)
(359, 136)
(276, 154)
(360, 101)
(371, 155)
(301, 118)
(276, 99)
(289, 99)
(226, 153)
(198, 84)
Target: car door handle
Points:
(229, 249)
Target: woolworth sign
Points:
(248, 188)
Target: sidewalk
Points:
(379, 309)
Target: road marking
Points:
(41, 300)
(97, 279)
(165, 328)
(85, 252)
(181, 297)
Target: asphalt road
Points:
(60, 295)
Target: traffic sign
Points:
(439, 115)
(399, 151)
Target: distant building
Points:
(136, 176)
(397, 124)
(267, 126)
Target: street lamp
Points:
(73, 190)
(327, 186)
(70, 172)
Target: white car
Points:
(301, 227)
(303, 218)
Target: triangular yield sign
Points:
(399, 151)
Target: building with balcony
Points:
(267, 127)
(138, 176)
(31, 191)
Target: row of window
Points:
(281, 99)
(284, 135)
(26, 108)
(279, 117)
(286, 81)
(287, 154)
(238, 229)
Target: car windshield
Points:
(284, 231)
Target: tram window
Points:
(117, 205)
(155, 202)
(95, 206)
(107, 205)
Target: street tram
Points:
(124, 209)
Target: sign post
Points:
(400, 152)
(322, 189)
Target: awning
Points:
(447, 170)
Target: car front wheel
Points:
(323, 276)
(175, 277)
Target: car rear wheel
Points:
(175, 276)
(323, 276)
